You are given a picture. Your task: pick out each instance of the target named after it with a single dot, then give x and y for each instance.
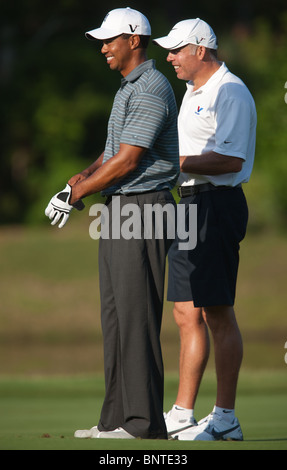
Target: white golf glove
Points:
(59, 207)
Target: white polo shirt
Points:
(219, 116)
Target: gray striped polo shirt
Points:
(144, 114)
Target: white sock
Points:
(225, 413)
(181, 413)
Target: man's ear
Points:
(201, 52)
(134, 41)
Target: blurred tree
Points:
(261, 61)
(57, 91)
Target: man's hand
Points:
(59, 207)
(77, 179)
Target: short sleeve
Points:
(233, 120)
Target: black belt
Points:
(184, 191)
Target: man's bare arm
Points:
(109, 173)
(210, 163)
(87, 172)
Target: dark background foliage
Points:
(57, 92)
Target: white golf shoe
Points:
(87, 433)
(212, 428)
(177, 420)
(118, 433)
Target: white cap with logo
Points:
(195, 31)
(119, 21)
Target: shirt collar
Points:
(138, 71)
(214, 79)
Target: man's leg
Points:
(112, 414)
(222, 422)
(194, 351)
(136, 270)
(228, 352)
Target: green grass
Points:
(42, 413)
(51, 360)
(50, 309)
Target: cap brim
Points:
(101, 33)
(169, 43)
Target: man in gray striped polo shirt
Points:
(139, 166)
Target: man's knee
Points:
(186, 315)
(220, 318)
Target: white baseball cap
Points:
(119, 21)
(195, 31)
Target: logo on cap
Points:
(133, 29)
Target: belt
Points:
(184, 191)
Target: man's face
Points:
(118, 54)
(185, 61)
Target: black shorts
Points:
(207, 274)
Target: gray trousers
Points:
(132, 291)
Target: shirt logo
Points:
(199, 109)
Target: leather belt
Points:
(185, 191)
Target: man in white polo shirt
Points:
(217, 131)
